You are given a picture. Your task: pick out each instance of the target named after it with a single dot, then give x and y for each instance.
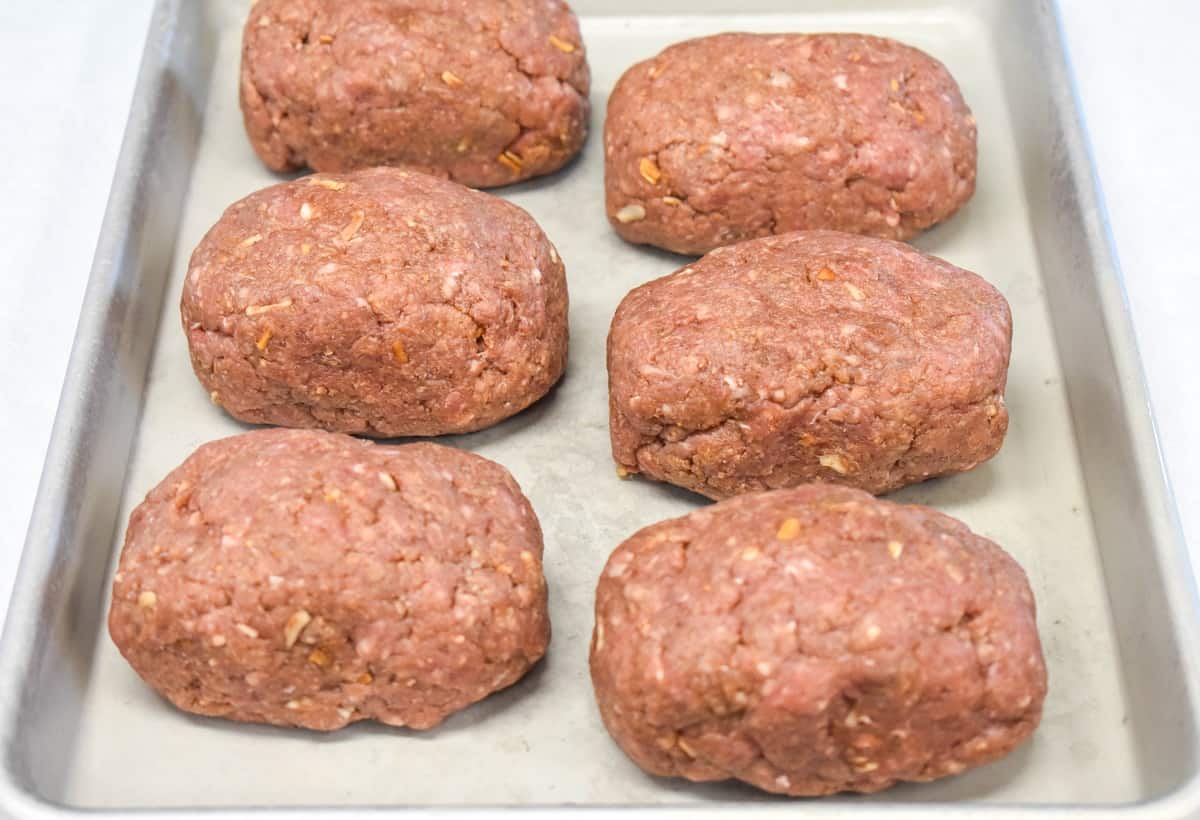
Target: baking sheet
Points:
(541, 742)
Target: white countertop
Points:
(65, 97)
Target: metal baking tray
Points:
(1077, 494)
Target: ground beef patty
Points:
(812, 356)
(736, 136)
(815, 640)
(381, 302)
(487, 92)
(310, 579)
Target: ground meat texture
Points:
(812, 356)
(487, 92)
(815, 640)
(380, 302)
(736, 136)
(304, 578)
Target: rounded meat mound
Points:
(486, 92)
(303, 578)
(815, 640)
(812, 356)
(737, 136)
(381, 302)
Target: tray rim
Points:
(68, 442)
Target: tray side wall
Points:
(1149, 577)
(57, 603)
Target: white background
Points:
(67, 71)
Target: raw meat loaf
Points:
(815, 640)
(304, 578)
(381, 302)
(736, 136)
(486, 92)
(812, 356)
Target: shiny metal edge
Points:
(1179, 581)
(86, 410)
(87, 399)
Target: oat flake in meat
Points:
(380, 302)
(486, 92)
(811, 356)
(815, 640)
(736, 136)
(304, 578)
